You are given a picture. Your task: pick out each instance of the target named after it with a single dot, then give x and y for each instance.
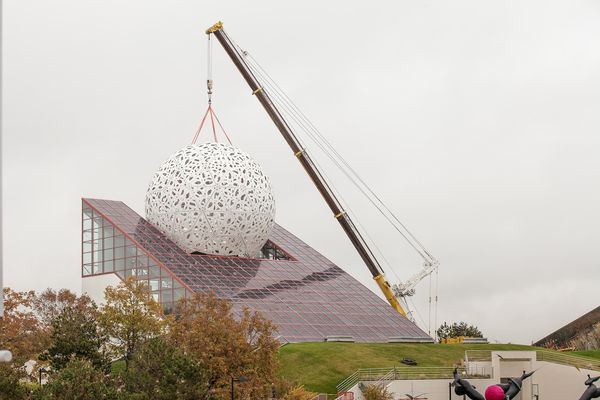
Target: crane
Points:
(394, 294)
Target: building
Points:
(557, 376)
(307, 296)
(562, 337)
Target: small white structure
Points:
(212, 198)
(556, 377)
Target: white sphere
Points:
(212, 198)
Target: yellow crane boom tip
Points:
(216, 27)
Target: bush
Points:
(377, 392)
(299, 393)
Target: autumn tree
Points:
(20, 330)
(75, 335)
(160, 371)
(227, 347)
(50, 303)
(129, 317)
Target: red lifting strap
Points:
(213, 117)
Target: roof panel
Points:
(309, 297)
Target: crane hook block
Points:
(216, 27)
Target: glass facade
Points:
(307, 296)
(107, 249)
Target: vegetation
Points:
(321, 366)
(75, 335)
(455, 330)
(20, 329)
(160, 371)
(377, 392)
(130, 317)
(587, 353)
(193, 356)
(78, 380)
(299, 393)
(227, 348)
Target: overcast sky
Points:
(476, 121)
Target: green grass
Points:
(587, 353)
(117, 367)
(321, 366)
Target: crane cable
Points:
(209, 81)
(209, 110)
(317, 137)
(293, 112)
(302, 122)
(277, 96)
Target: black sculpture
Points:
(506, 390)
(592, 391)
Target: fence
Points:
(542, 355)
(400, 373)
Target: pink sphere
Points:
(494, 392)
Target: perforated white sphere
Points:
(212, 198)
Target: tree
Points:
(455, 330)
(75, 335)
(227, 347)
(130, 316)
(20, 330)
(11, 387)
(78, 380)
(160, 371)
(49, 304)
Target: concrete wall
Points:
(562, 382)
(434, 389)
(550, 381)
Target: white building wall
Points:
(94, 286)
(560, 382)
(552, 381)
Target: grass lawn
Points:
(321, 366)
(587, 353)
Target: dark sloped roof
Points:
(561, 337)
(308, 297)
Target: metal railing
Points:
(541, 355)
(401, 373)
(568, 359)
(478, 355)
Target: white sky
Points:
(476, 121)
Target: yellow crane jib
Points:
(389, 294)
(216, 27)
